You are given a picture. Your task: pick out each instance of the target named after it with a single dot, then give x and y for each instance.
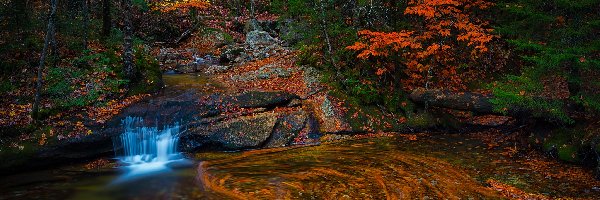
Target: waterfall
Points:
(146, 150)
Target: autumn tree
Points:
(185, 5)
(442, 48)
(190, 6)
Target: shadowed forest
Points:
(299, 99)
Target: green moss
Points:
(421, 120)
(568, 153)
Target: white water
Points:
(146, 150)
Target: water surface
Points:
(430, 167)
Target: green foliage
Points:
(552, 38)
(65, 93)
(149, 73)
(515, 94)
(6, 86)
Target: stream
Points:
(421, 166)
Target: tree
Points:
(128, 65)
(446, 36)
(86, 22)
(183, 5)
(47, 40)
(106, 18)
(172, 5)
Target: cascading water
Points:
(146, 150)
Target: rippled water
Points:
(438, 166)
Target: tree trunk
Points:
(106, 18)
(326, 34)
(86, 23)
(47, 40)
(128, 65)
(252, 9)
(457, 101)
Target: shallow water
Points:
(432, 166)
(439, 166)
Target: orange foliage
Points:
(172, 5)
(447, 33)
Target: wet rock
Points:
(293, 128)
(186, 68)
(235, 134)
(215, 69)
(331, 116)
(254, 99)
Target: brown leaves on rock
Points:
(292, 83)
(112, 108)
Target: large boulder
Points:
(292, 128)
(256, 38)
(234, 134)
(262, 130)
(216, 104)
(331, 115)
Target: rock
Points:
(331, 117)
(295, 103)
(282, 73)
(187, 68)
(252, 25)
(235, 134)
(218, 37)
(255, 38)
(261, 25)
(230, 53)
(312, 78)
(288, 128)
(264, 75)
(215, 69)
(217, 103)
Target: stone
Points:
(255, 38)
(331, 118)
(230, 53)
(246, 132)
(186, 68)
(288, 128)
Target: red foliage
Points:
(451, 36)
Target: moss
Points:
(149, 77)
(421, 120)
(569, 153)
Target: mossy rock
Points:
(569, 153)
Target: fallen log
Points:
(481, 104)
(458, 101)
